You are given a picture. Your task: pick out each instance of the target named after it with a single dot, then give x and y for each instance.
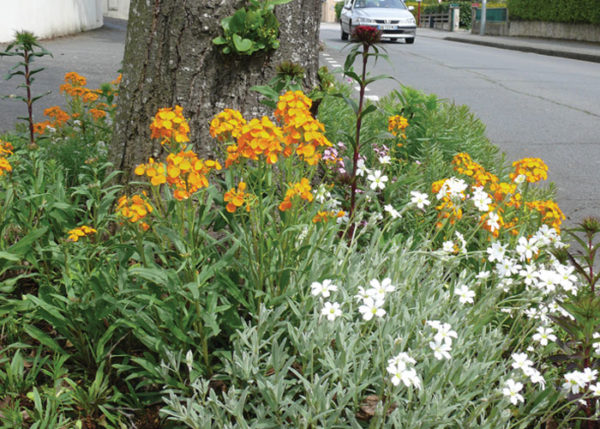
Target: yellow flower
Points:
(301, 189)
(170, 124)
(534, 170)
(397, 124)
(81, 231)
(227, 125)
(4, 166)
(237, 198)
(135, 208)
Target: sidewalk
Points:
(558, 48)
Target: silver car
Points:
(392, 17)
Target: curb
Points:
(542, 51)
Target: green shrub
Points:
(566, 11)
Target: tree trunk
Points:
(170, 59)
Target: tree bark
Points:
(170, 59)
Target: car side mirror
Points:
(411, 8)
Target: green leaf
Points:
(43, 338)
(154, 275)
(220, 40)
(241, 45)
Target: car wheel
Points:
(344, 34)
(410, 40)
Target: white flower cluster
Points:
(511, 387)
(453, 188)
(419, 199)
(442, 340)
(373, 298)
(577, 381)
(401, 371)
(547, 278)
(331, 310)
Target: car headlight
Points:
(361, 20)
(410, 20)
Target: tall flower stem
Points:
(361, 98)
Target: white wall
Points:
(116, 8)
(48, 18)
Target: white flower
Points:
(436, 324)
(395, 214)
(401, 358)
(331, 310)
(595, 389)
(461, 240)
(324, 289)
(483, 275)
(189, 360)
(493, 221)
(529, 275)
(535, 376)
(385, 159)
(421, 200)
(566, 276)
(465, 295)
(452, 188)
(400, 373)
(361, 170)
(441, 349)
(481, 199)
(548, 280)
(589, 375)
(527, 248)
(496, 252)
(444, 333)
(322, 194)
(596, 345)
(544, 335)
(521, 361)
(448, 246)
(379, 289)
(520, 179)
(362, 294)
(507, 267)
(377, 180)
(574, 382)
(371, 308)
(512, 390)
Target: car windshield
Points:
(388, 4)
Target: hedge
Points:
(567, 11)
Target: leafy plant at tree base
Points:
(251, 29)
(25, 46)
(581, 320)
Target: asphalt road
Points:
(532, 105)
(95, 54)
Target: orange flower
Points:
(463, 164)
(397, 124)
(186, 173)
(75, 79)
(135, 208)
(551, 214)
(40, 127)
(6, 148)
(97, 113)
(170, 124)
(235, 199)
(155, 171)
(534, 170)
(5, 166)
(81, 231)
(300, 189)
(292, 104)
(257, 138)
(227, 125)
(59, 115)
(325, 216)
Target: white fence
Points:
(48, 18)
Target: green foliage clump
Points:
(251, 30)
(338, 10)
(566, 11)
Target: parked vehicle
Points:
(392, 17)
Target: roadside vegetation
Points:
(378, 265)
